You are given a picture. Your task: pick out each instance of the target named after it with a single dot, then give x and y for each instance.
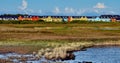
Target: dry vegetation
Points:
(55, 40)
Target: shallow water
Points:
(99, 55)
(94, 55)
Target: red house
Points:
(35, 18)
(69, 18)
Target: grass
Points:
(54, 40)
(51, 49)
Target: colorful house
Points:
(57, 19)
(43, 18)
(65, 19)
(74, 18)
(54, 19)
(20, 18)
(91, 18)
(30, 18)
(34, 18)
(105, 19)
(113, 19)
(97, 19)
(70, 18)
(84, 18)
(48, 19)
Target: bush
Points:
(85, 22)
(20, 22)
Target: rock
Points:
(70, 56)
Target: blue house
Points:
(65, 18)
(97, 19)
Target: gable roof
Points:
(118, 18)
(110, 16)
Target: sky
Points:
(60, 7)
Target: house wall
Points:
(84, 18)
(65, 19)
(75, 18)
(48, 19)
(97, 19)
(20, 18)
(70, 19)
(105, 20)
(91, 19)
(113, 20)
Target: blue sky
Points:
(60, 7)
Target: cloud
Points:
(56, 10)
(64, 11)
(69, 10)
(100, 6)
(80, 11)
(24, 5)
(23, 8)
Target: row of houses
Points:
(7, 17)
(104, 18)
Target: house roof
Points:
(89, 17)
(110, 16)
(118, 18)
(8, 16)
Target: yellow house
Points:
(48, 19)
(83, 18)
(43, 18)
(54, 19)
(57, 19)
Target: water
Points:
(99, 55)
(94, 55)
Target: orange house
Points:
(113, 19)
(20, 18)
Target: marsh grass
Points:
(51, 49)
(55, 40)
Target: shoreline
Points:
(67, 53)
